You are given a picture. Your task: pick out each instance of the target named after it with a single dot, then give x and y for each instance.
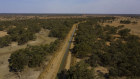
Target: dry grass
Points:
(3, 33)
(135, 28)
(101, 69)
(42, 38)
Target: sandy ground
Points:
(42, 38)
(68, 61)
(3, 33)
(135, 28)
(101, 69)
(51, 70)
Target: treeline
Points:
(105, 19)
(22, 31)
(60, 28)
(125, 21)
(128, 22)
(32, 56)
(83, 39)
(111, 47)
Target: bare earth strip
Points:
(68, 62)
(51, 70)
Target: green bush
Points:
(32, 56)
(5, 41)
(1, 28)
(79, 71)
(18, 60)
(125, 22)
(124, 32)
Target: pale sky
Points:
(71, 6)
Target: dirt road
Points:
(50, 72)
(68, 62)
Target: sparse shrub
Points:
(125, 22)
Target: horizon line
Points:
(80, 13)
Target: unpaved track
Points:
(68, 62)
(50, 72)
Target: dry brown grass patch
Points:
(3, 33)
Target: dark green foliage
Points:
(79, 71)
(5, 41)
(24, 38)
(110, 29)
(32, 56)
(87, 35)
(18, 60)
(1, 28)
(105, 19)
(121, 56)
(21, 35)
(125, 22)
(94, 60)
(81, 50)
(25, 30)
(61, 28)
(124, 32)
(53, 46)
(83, 41)
(124, 58)
(35, 55)
(132, 38)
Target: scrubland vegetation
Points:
(127, 22)
(22, 31)
(32, 56)
(111, 47)
(79, 71)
